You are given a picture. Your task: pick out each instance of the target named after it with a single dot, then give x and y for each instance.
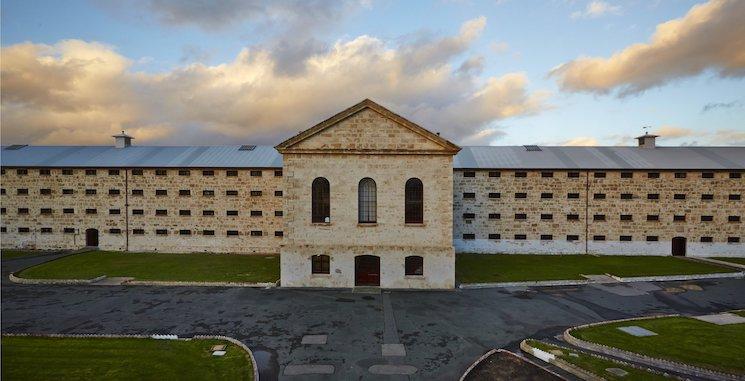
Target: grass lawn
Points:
(41, 358)
(598, 366)
(485, 268)
(11, 254)
(681, 339)
(739, 261)
(160, 266)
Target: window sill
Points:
(367, 224)
(320, 275)
(415, 225)
(321, 223)
(413, 276)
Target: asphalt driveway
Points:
(442, 332)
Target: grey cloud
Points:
(719, 105)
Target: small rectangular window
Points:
(733, 218)
(46, 211)
(707, 218)
(208, 232)
(653, 175)
(45, 192)
(598, 238)
(22, 210)
(184, 212)
(707, 239)
(90, 192)
(256, 173)
(707, 175)
(256, 213)
(278, 193)
(137, 172)
(734, 197)
(626, 217)
(184, 192)
(547, 195)
(279, 233)
(495, 236)
(115, 211)
(469, 195)
(495, 216)
(161, 192)
(653, 196)
(114, 192)
(67, 172)
(231, 192)
(572, 175)
(161, 212)
(521, 237)
(138, 212)
(707, 197)
(319, 264)
(679, 218)
(735, 175)
(69, 230)
(231, 173)
(161, 172)
(599, 175)
(469, 236)
(679, 196)
(733, 239)
(599, 196)
(598, 217)
(652, 238)
(256, 233)
(138, 231)
(208, 212)
(572, 217)
(113, 172)
(22, 191)
(278, 173)
(184, 172)
(45, 230)
(231, 212)
(495, 174)
(161, 231)
(680, 175)
(138, 192)
(115, 231)
(495, 195)
(547, 216)
(91, 211)
(626, 196)
(469, 216)
(255, 193)
(208, 173)
(90, 172)
(184, 232)
(3, 210)
(521, 174)
(572, 195)
(469, 174)
(624, 238)
(627, 175)
(24, 230)
(547, 174)
(521, 195)
(2, 190)
(278, 213)
(547, 237)
(521, 216)
(653, 217)
(232, 232)
(208, 193)
(67, 191)
(572, 237)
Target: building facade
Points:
(368, 197)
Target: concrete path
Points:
(442, 332)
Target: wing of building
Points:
(368, 197)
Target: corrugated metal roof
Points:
(517, 157)
(475, 157)
(142, 156)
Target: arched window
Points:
(320, 264)
(321, 202)
(414, 265)
(414, 207)
(368, 201)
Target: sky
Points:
(499, 72)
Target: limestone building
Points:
(367, 197)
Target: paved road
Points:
(442, 332)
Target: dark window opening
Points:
(414, 265)
(321, 201)
(320, 264)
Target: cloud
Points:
(720, 105)
(580, 141)
(710, 36)
(596, 9)
(83, 92)
(690, 137)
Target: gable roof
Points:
(448, 147)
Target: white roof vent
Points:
(122, 140)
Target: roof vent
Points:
(122, 140)
(246, 148)
(15, 147)
(532, 148)
(647, 140)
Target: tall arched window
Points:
(414, 208)
(368, 201)
(321, 200)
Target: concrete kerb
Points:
(565, 365)
(718, 262)
(118, 336)
(15, 279)
(642, 359)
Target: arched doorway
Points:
(367, 270)
(679, 246)
(91, 237)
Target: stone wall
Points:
(599, 205)
(139, 232)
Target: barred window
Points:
(624, 238)
(469, 216)
(414, 265)
(626, 196)
(208, 192)
(707, 197)
(45, 172)
(256, 213)
(495, 216)
(115, 211)
(68, 172)
(256, 173)
(161, 172)
(707, 239)
(91, 211)
(572, 175)
(414, 201)
(469, 236)
(572, 195)
(572, 217)
(90, 192)
(184, 212)
(733, 218)
(679, 196)
(21, 172)
(279, 233)
(707, 218)
(679, 217)
(599, 196)
(45, 192)
(521, 195)
(733, 239)
(256, 233)
(24, 230)
(367, 201)
(495, 174)
(138, 231)
(135, 172)
(320, 264)
(599, 175)
(138, 212)
(114, 192)
(184, 232)
(469, 174)
(469, 195)
(68, 230)
(598, 217)
(521, 174)
(115, 231)
(161, 212)
(232, 212)
(653, 175)
(521, 216)
(113, 172)
(255, 193)
(22, 191)
(208, 173)
(653, 217)
(278, 213)
(231, 173)
(734, 197)
(46, 211)
(547, 237)
(653, 196)
(735, 175)
(547, 195)
(627, 175)
(278, 173)
(277, 193)
(495, 195)
(707, 175)
(680, 175)
(652, 238)
(45, 230)
(161, 192)
(598, 238)
(208, 212)
(232, 232)
(184, 172)
(67, 191)
(572, 237)
(161, 231)
(22, 210)
(184, 192)
(521, 237)
(495, 236)
(234, 193)
(90, 172)
(547, 216)
(137, 192)
(208, 232)
(547, 174)
(320, 200)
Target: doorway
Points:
(91, 237)
(367, 270)
(679, 246)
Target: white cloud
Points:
(580, 141)
(596, 9)
(710, 36)
(687, 136)
(83, 92)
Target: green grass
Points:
(681, 339)
(11, 254)
(597, 366)
(485, 268)
(43, 358)
(739, 261)
(160, 267)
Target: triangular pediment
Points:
(367, 127)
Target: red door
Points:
(367, 270)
